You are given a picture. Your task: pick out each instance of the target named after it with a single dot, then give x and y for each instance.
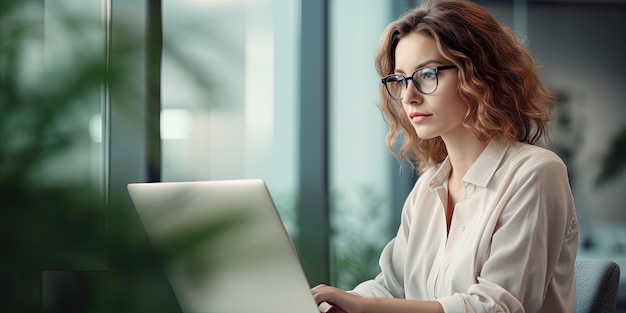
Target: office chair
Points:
(597, 281)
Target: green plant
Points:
(359, 232)
(614, 161)
(61, 227)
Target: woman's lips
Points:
(418, 117)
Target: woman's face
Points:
(440, 113)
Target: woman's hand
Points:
(333, 300)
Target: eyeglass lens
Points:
(425, 80)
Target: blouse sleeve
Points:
(532, 248)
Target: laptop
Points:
(224, 247)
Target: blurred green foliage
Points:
(614, 161)
(63, 248)
(358, 237)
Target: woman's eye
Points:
(426, 74)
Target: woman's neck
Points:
(463, 150)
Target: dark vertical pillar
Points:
(314, 236)
(154, 51)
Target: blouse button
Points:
(463, 228)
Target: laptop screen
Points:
(223, 246)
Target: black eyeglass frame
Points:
(436, 69)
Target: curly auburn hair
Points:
(498, 79)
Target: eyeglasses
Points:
(424, 79)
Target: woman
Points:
(490, 225)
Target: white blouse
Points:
(512, 240)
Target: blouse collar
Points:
(481, 172)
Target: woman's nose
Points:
(411, 94)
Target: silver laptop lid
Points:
(224, 246)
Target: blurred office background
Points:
(286, 91)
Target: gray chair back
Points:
(597, 281)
